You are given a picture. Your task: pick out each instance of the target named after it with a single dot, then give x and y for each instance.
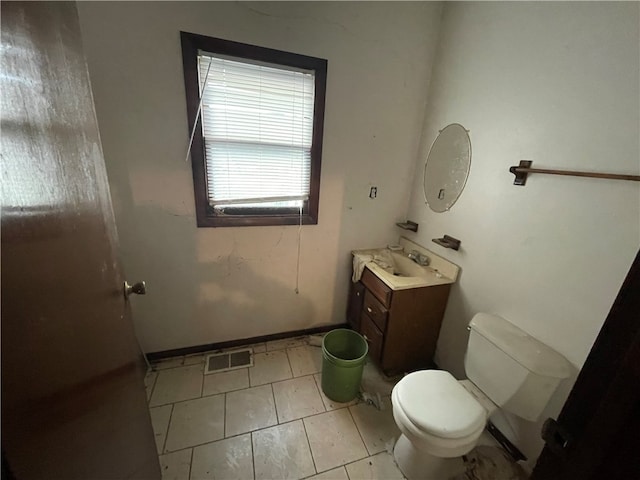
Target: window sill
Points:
(253, 221)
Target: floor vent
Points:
(223, 362)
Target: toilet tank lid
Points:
(532, 354)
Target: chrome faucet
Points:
(419, 258)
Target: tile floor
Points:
(269, 421)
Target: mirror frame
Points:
(464, 183)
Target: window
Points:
(257, 141)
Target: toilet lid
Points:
(437, 404)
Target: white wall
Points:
(211, 285)
(556, 83)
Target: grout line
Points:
(224, 417)
(166, 436)
(359, 433)
(209, 442)
(189, 399)
(253, 459)
(202, 383)
(356, 461)
(246, 433)
(275, 405)
(153, 387)
(319, 392)
(322, 397)
(176, 451)
(286, 352)
(309, 444)
(347, 471)
(249, 373)
(384, 452)
(191, 463)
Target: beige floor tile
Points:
(297, 398)
(269, 367)
(335, 474)
(375, 468)
(168, 363)
(225, 381)
(177, 384)
(334, 439)
(193, 359)
(249, 410)
(374, 381)
(176, 465)
(160, 422)
(149, 382)
(328, 403)
(377, 427)
(259, 347)
(305, 360)
(282, 452)
(195, 422)
(229, 459)
(286, 343)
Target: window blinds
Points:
(257, 124)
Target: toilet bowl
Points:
(442, 418)
(437, 413)
(439, 419)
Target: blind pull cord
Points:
(195, 121)
(298, 261)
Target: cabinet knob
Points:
(369, 309)
(357, 294)
(366, 338)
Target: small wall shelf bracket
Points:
(408, 225)
(448, 242)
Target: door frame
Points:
(597, 429)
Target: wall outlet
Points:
(373, 192)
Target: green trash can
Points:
(343, 355)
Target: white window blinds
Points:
(257, 124)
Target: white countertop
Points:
(399, 272)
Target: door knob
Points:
(138, 288)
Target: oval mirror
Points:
(447, 167)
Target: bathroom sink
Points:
(399, 272)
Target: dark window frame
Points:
(205, 214)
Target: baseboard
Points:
(153, 356)
(509, 447)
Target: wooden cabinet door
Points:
(73, 398)
(372, 335)
(356, 296)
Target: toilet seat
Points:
(437, 405)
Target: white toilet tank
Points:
(516, 371)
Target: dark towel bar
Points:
(524, 168)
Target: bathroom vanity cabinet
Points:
(401, 326)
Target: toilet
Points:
(442, 418)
